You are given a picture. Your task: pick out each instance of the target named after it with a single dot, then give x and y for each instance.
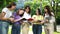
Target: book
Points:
(30, 19)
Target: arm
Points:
(2, 16)
(4, 10)
(17, 20)
(42, 21)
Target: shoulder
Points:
(52, 13)
(4, 9)
(34, 16)
(26, 13)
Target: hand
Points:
(47, 20)
(42, 22)
(23, 23)
(11, 19)
(35, 20)
(31, 21)
(39, 20)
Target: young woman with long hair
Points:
(49, 20)
(37, 24)
(26, 15)
(16, 26)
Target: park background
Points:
(54, 5)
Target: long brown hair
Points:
(11, 4)
(28, 8)
(39, 11)
(48, 10)
(18, 12)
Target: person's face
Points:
(45, 10)
(37, 12)
(13, 7)
(27, 9)
(21, 12)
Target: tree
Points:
(3, 3)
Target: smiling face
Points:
(27, 9)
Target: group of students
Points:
(21, 18)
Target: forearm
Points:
(17, 20)
(5, 18)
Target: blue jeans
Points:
(37, 29)
(16, 29)
(5, 26)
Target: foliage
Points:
(58, 15)
(3, 3)
(34, 4)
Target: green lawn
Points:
(9, 32)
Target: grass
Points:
(9, 32)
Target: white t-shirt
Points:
(8, 12)
(52, 18)
(26, 15)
